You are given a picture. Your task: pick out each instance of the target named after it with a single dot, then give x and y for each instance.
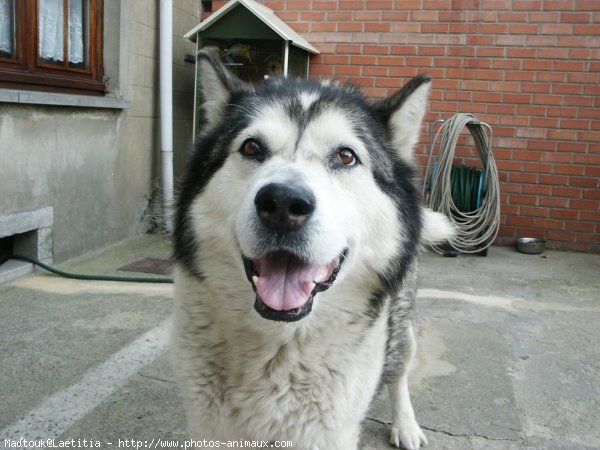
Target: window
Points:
(52, 45)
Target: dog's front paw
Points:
(408, 435)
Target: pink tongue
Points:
(285, 282)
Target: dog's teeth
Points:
(254, 279)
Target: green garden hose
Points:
(476, 220)
(77, 276)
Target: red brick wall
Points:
(529, 68)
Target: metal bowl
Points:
(531, 246)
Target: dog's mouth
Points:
(285, 285)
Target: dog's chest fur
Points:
(303, 386)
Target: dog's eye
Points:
(251, 148)
(346, 157)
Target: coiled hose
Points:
(477, 227)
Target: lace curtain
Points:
(6, 27)
(51, 26)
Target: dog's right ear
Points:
(216, 85)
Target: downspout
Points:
(166, 108)
(286, 57)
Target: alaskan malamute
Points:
(296, 236)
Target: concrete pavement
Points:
(508, 357)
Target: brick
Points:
(520, 221)
(404, 50)
(577, 17)
(536, 189)
(376, 4)
(587, 159)
(376, 49)
(585, 182)
(496, 4)
(526, 132)
(563, 214)
(562, 135)
(516, 98)
(542, 41)
(339, 16)
(571, 146)
(543, 122)
(569, 89)
(348, 70)
(434, 28)
(367, 15)
(554, 180)
(592, 136)
(391, 60)
(586, 30)
(576, 124)
(582, 78)
(554, 202)
(312, 15)
(550, 76)
(562, 112)
(591, 194)
(395, 16)
(530, 200)
(351, 4)
(510, 17)
(544, 145)
(409, 4)
(406, 27)
(299, 5)
(547, 99)
(570, 192)
(558, 5)
(421, 16)
(564, 158)
(544, 16)
(363, 60)
(538, 88)
(344, 27)
(515, 75)
(520, 28)
(521, 52)
(378, 27)
(482, 16)
(569, 66)
(555, 29)
(538, 167)
(536, 64)
(561, 169)
(534, 211)
(375, 71)
(523, 178)
(589, 205)
(348, 48)
(586, 227)
(330, 5)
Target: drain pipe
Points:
(166, 108)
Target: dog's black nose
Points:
(283, 207)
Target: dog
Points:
(296, 237)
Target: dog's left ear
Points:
(403, 112)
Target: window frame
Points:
(28, 71)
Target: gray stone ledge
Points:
(48, 98)
(23, 222)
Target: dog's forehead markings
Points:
(307, 99)
(328, 130)
(275, 126)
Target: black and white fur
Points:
(249, 371)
